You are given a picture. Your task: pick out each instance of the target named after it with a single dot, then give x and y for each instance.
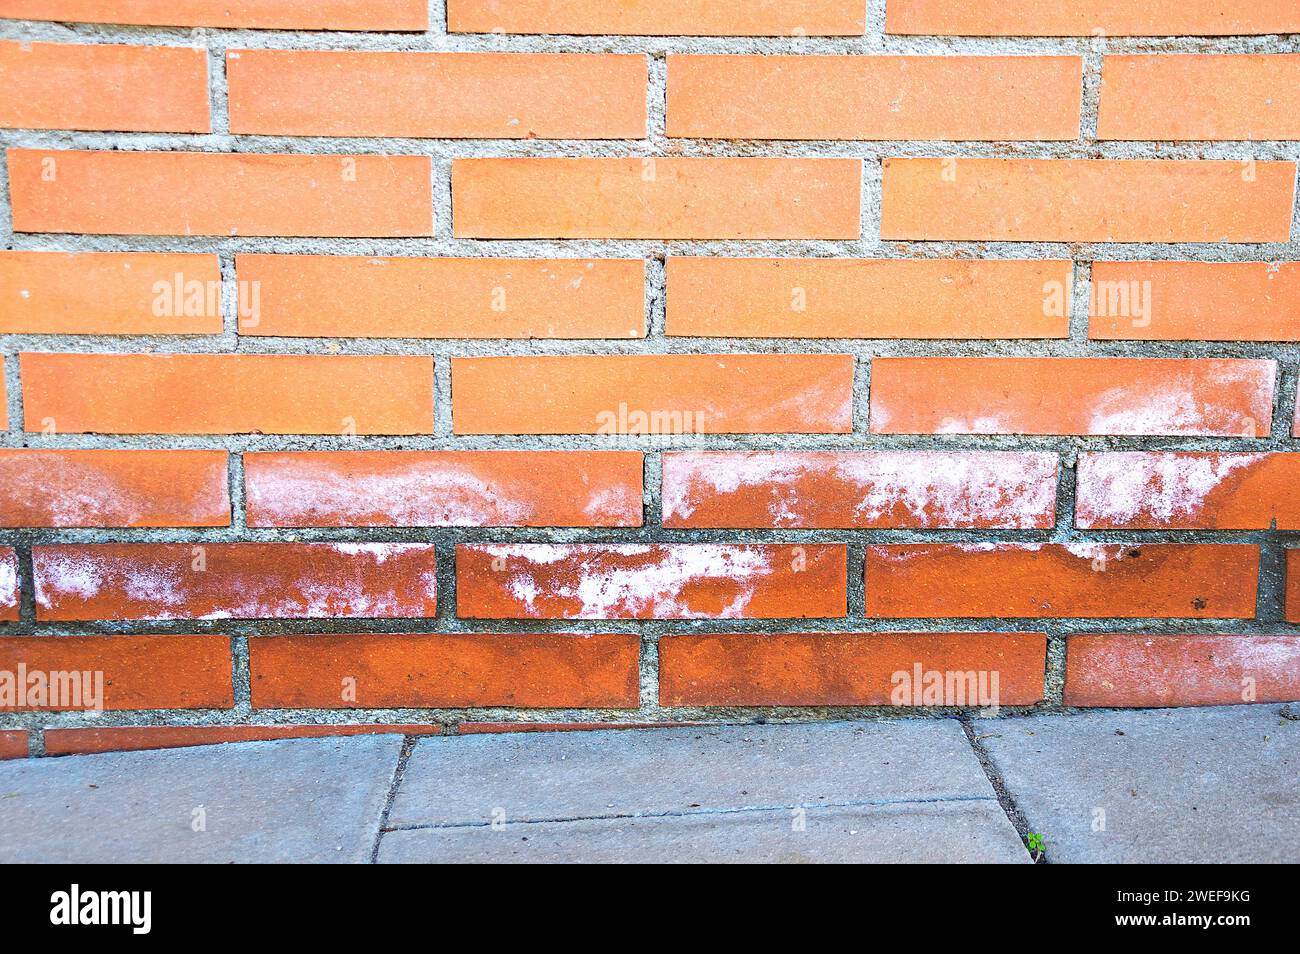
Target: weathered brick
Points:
(852, 669)
(498, 488)
(657, 197)
(873, 489)
(615, 395)
(211, 193)
(650, 581)
(13, 744)
(660, 17)
(8, 583)
(1092, 17)
(233, 580)
(1293, 586)
(864, 298)
(1047, 580)
(113, 488)
(1101, 396)
(410, 15)
(135, 738)
(1087, 200)
(410, 670)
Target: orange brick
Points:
(852, 669)
(227, 393)
(13, 744)
(8, 583)
(103, 86)
(863, 298)
(1188, 491)
(328, 296)
(444, 489)
(114, 488)
(656, 197)
(495, 728)
(1087, 200)
(437, 95)
(109, 293)
(209, 193)
(138, 672)
(1293, 586)
(1048, 580)
(1172, 96)
(1140, 669)
(1219, 397)
(650, 581)
(234, 580)
(617, 395)
(874, 97)
(409, 670)
(135, 738)
(1092, 17)
(660, 17)
(1195, 301)
(412, 15)
(846, 489)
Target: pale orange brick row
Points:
(413, 670)
(1188, 491)
(863, 298)
(650, 581)
(1195, 301)
(103, 86)
(852, 669)
(208, 193)
(874, 97)
(125, 671)
(113, 488)
(1293, 586)
(619, 395)
(1048, 580)
(1170, 96)
(1092, 17)
(1219, 397)
(862, 489)
(660, 17)
(135, 738)
(310, 296)
(1087, 200)
(227, 393)
(109, 293)
(437, 95)
(657, 197)
(404, 15)
(13, 744)
(1139, 670)
(498, 488)
(129, 581)
(9, 588)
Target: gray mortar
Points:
(442, 243)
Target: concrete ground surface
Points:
(1180, 785)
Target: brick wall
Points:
(443, 365)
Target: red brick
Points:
(411, 15)
(135, 738)
(615, 395)
(211, 193)
(103, 86)
(765, 96)
(324, 296)
(109, 293)
(847, 489)
(444, 489)
(437, 95)
(494, 728)
(657, 197)
(114, 488)
(227, 393)
(1140, 669)
(1293, 586)
(1101, 396)
(8, 583)
(1188, 491)
(862, 298)
(1092, 17)
(234, 581)
(852, 669)
(13, 744)
(650, 581)
(408, 670)
(1087, 200)
(1047, 580)
(660, 17)
(138, 672)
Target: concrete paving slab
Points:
(1171, 785)
(288, 801)
(931, 832)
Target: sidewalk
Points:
(1163, 785)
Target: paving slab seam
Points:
(399, 772)
(1013, 812)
